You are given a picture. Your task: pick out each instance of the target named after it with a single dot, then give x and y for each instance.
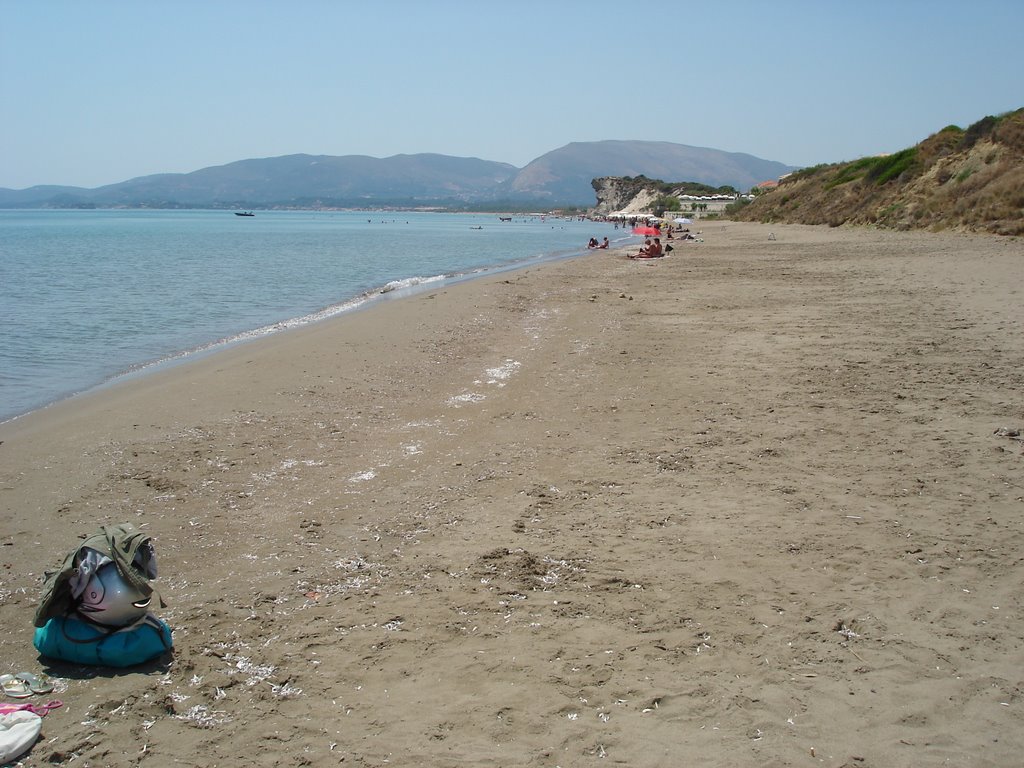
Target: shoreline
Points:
(389, 291)
(392, 289)
(744, 504)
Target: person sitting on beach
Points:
(644, 250)
(592, 243)
(604, 243)
(653, 251)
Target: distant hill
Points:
(300, 180)
(969, 179)
(559, 178)
(354, 179)
(566, 174)
(43, 194)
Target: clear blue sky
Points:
(98, 92)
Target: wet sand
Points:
(756, 504)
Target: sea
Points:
(89, 296)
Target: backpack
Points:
(130, 549)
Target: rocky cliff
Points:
(616, 193)
(639, 194)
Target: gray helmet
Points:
(109, 599)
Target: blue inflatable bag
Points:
(71, 639)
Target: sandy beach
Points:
(756, 504)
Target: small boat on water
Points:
(244, 213)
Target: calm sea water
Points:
(86, 296)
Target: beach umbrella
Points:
(681, 220)
(646, 231)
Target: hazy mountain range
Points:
(560, 177)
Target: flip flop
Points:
(15, 687)
(37, 683)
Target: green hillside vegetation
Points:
(640, 183)
(956, 179)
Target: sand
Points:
(751, 505)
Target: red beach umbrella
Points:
(646, 231)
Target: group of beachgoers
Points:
(651, 249)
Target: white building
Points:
(696, 206)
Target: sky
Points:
(94, 93)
